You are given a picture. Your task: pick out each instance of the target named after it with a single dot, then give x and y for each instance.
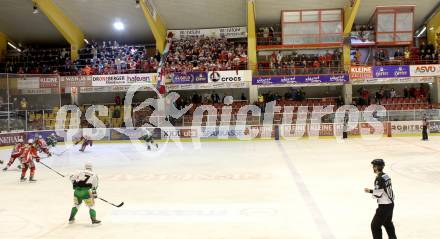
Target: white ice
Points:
(231, 190)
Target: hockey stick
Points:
(120, 204)
(52, 169)
(64, 150)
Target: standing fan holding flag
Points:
(161, 83)
(160, 86)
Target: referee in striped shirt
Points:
(383, 192)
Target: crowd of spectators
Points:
(204, 98)
(294, 94)
(425, 54)
(366, 97)
(35, 60)
(363, 33)
(202, 54)
(205, 53)
(385, 56)
(296, 64)
(94, 58)
(113, 58)
(269, 35)
(402, 55)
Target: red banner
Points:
(361, 72)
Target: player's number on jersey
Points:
(83, 178)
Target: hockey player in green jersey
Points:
(85, 184)
(52, 140)
(148, 138)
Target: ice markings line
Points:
(320, 222)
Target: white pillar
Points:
(253, 94)
(347, 93)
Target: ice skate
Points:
(95, 221)
(32, 179)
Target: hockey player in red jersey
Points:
(28, 153)
(15, 154)
(85, 141)
(41, 145)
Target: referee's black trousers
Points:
(425, 133)
(383, 217)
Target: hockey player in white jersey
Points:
(85, 184)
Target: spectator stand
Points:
(114, 58)
(300, 62)
(201, 53)
(383, 56)
(94, 59)
(23, 94)
(309, 43)
(34, 60)
(394, 97)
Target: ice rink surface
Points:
(231, 190)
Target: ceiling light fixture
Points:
(85, 40)
(118, 25)
(421, 32)
(13, 46)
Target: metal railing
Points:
(398, 61)
(78, 69)
(269, 38)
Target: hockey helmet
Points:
(378, 162)
(30, 141)
(88, 166)
(20, 141)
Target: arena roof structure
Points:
(269, 10)
(95, 17)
